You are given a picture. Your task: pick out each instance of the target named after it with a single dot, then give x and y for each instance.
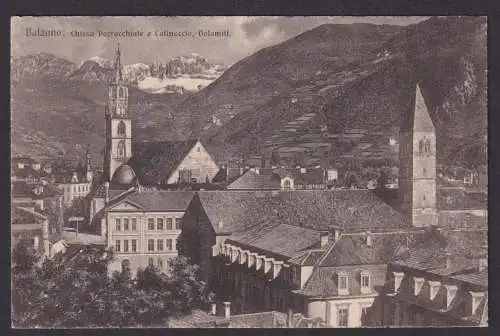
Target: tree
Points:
(76, 291)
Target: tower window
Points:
(121, 128)
(121, 149)
(427, 146)
(421, 146)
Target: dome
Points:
(124, 177)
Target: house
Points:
(280, 178)
(30, 226)
(142, 226)
(76, 184)
(223, 318)
(42, 195)
(440, 281)
(331, 277)
(172, 162)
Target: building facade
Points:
(142, 228)
(440, 282)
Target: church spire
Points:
(422, 120)
(118, 65)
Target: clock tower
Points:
(118, 122)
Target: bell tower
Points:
(417, 165)
(118, 122)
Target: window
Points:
(159, 244)
(365, 282)
(151, 224)
(343, 283)
(120, 150)
(159, 224)
(118, 224)
(117, 246)
(134, 224)
(169, 244)
(169, 223)
(427, 146)
(125, 224)
(160, 263)
(121, 130)
(178, 223)
(287, 184)
(134, 245)
(68, 189)
(74, 189)
(151, 262)
(125, 265)
(125, 245)
(151, 244)
(421, 146)
(185, 175)
(343, 316)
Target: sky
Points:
(247, 35)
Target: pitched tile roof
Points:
(154, 162)
(475, 278)
(269, 319)
(35, 191)
(253, 181)
(457, 198)
(197, 319)
(231, 211)
(160, 200)
(351, 249)
(430, 253)
(281, 239)
(461, 220)
(24, 216)
(307, 258)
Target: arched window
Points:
(125, 265)
(151, 262)
(160, 263)
(121, 128)
(421, 146)
(120, 92)
(428, 146)
(121, 149)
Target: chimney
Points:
(289, 319)
(106, 192)
(213, 307)
(369, 238)
(324, 238)
(227, 310)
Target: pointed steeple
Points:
(118, 65)
(422, 120)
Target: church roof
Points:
(154, 162)
(123, 178)
(232, 211)
(418, 119)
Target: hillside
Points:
(340, 77)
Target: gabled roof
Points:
(159, 200)
(268, 319)
(24, 216)
(307, 258)
(430, 253)
(253, 181)
(281, 239)
(352, 249)
(313, 209)
(22, 189)
(154, 162)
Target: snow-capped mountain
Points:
(181, 74)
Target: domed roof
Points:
(124, 177)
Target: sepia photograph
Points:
(249, 172)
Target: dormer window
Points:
(343, 283)
(451, 292)
(398, 278)
(418, 283)
(434, 289)
(477, 297)
(366, 282)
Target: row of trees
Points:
(78, 292)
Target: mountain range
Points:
(335, 90)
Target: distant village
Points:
(280, 243)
